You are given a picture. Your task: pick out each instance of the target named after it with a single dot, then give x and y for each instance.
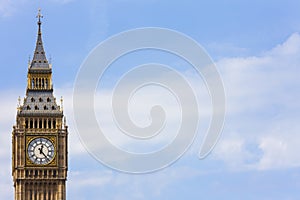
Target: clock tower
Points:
(40, 135)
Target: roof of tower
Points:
(40, 103)
(39, 60)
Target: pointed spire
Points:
(39, 60)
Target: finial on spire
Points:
(19, 101)
(19, 104)
(65, 121)
(39, 16)
(61, 103)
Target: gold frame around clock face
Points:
(41, 142)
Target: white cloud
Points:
(288, 48)
(280, 146)
(232, 151)
(261, 93)
(263, 109)
(139, 108)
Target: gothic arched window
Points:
(40, 123)
(43, 83)
(26, 123)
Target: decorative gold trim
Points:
(53, 139)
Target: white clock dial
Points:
(41, 151)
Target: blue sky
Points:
(256, 47)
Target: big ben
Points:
(40, 135)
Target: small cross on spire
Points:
(39, 15)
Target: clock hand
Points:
(45, 156)
(41, 149)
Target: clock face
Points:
(41, 151)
